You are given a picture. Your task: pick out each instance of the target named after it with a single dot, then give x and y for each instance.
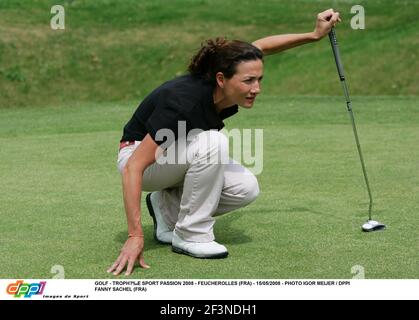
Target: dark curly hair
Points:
(221, 55)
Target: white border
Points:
(219, 289)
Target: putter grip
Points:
(335, 48)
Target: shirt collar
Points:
(228, 112)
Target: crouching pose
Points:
(182, 117)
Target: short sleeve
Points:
(162, 125)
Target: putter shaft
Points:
(336, 53)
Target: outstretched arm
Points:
(274, 44)
(132, 250)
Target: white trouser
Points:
(192, 192)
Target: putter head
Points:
(372, 225)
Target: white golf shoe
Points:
(162, 232)
(205, 250)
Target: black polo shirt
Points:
(186, 98)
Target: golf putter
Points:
(370, 225)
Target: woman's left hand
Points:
(325, 21)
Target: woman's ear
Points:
(219, 77)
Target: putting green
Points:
(61, 196)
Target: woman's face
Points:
(243, 87)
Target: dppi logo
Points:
(26, 289)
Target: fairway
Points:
(61, 199)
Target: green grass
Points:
(61, 198)
(120, 50)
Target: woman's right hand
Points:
(132, 173)
(131, 252)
